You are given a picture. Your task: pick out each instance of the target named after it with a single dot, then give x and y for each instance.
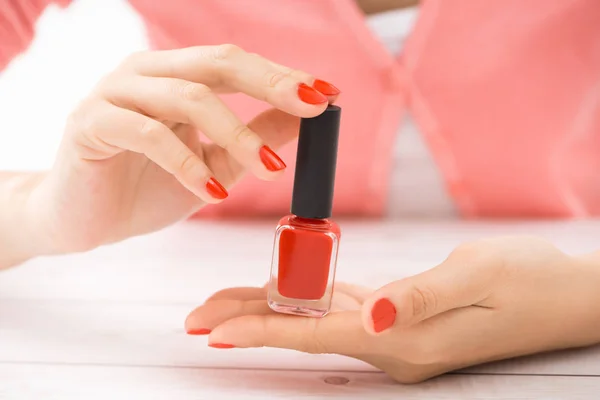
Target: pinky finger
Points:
(141, 134)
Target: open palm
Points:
(489, 300)
(242, 316)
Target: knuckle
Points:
(195, 92)
(241, 134)
(480, 253)
(469, 249)
(188, 161)
(131, 60)
(226, 51)
(272, 79)
(151, 131)
(473, 252)
(106, 83)
(89, 129)
(424, 301)
(79, 122)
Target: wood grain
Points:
(109, 323)
(65, 382)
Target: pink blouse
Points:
(507, 94)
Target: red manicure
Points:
(383, 315)
(215, 189)
(271, 160)
(221, 345)
(310, 95)
(325, 87)
(200, 331)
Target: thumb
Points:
(465, 278)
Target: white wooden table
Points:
(109, 324)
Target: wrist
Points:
(583, 286)
(20, 238)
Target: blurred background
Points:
(73, 48)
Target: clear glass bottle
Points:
(303, 266)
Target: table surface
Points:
(109, 323)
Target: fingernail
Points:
(215, 189)
(325, 87)
(310, 95)
(201, 331)
(383, 315)
(221, 345)
(271, 161)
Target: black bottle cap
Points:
(315, 165)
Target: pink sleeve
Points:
(17, 25)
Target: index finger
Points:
(228, 68)
(339, 333)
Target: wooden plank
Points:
(66, 382)
(99, 332)
(129, 334)
(191, 260)
(126, 303)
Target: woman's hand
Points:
(131, 160)
(488, 300)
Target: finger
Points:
(275, 127)
(339, 333)
(357, 292)
(461, 337)
(195, 104)
(227, 68)
(464, 278)
(124, 129)
(206, 317)
(239, 293)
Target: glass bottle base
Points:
(303, 308)
(303, 266)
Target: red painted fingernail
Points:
(383, 315)
(215, 189)
(325, 87)
(221, 345)
(270, 160)
(200, 331)
(310, 95)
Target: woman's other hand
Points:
(488, 300)
(131, 160)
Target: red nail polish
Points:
(271, 161)
(306, 242)
(383, 315)
(200, 331)
(221, 345)
(325, 87)
(215, 189)
(310, 95)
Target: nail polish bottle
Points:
(306, 242)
